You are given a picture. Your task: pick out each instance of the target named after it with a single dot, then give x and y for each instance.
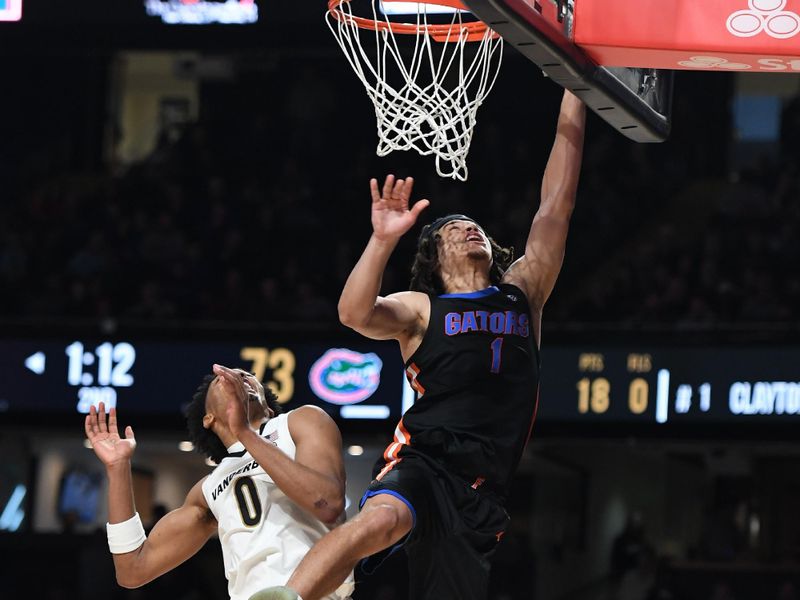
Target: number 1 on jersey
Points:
(497, 347)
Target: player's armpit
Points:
(175, 538)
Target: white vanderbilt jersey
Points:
(264, 535)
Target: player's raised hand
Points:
(102, 432)
(237, 397)
(391, 216)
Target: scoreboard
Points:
(634, 386)
(663, 385)
(363, 381)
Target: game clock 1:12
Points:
(98, 372)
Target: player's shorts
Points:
(456, 529)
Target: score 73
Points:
(281, 361)
(595, 395)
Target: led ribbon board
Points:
(10, 10)
(203, 12)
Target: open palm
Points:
(391, 217)
(234, 388)
(106, 442)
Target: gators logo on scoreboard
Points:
(10, 10)
(342, 376)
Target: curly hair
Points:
(425, 275)
(206, 441)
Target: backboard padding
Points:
(636, 102)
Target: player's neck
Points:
(470, 278)
(228, 438)
(256, 424)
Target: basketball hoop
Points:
(426, 97)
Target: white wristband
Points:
(126, 536)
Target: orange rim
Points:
(476, 30)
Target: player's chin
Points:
(479, 253)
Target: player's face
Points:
(463, 239)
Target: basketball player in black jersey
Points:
(469, 334)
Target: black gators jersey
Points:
(477, 376)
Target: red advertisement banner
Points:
(733, 35)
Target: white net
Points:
(426, 93)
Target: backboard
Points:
(635, 101)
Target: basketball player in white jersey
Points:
(278, 488)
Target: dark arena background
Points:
(176, 195)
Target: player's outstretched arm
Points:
(315, 478)
(174, 539)
(360, 306)
(537, 270)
